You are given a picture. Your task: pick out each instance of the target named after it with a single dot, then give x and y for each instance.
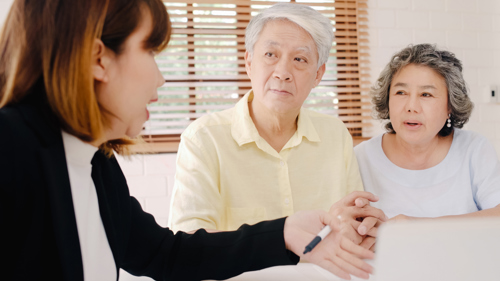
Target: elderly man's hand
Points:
(358, 217)
(336, 253)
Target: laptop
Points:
(443, 250)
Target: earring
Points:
(449, 121)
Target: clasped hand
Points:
(340, 252)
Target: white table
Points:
(299, 272)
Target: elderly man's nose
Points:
(282, 71)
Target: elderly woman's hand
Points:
(358, 219)
(369, 225)
(336, 253)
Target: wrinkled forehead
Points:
(419, 68)
(300, 47)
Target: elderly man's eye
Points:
(269, 54)
(399, 93)
(300, 60)
(426, 95)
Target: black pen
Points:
(321, 235)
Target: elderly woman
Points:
(425, 165)
(268, 156)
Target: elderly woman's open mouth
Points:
(412, 124)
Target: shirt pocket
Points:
(238, 216)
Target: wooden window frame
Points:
(346, 83)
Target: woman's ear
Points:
(100, 61)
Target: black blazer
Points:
(39, 237)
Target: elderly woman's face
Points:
(418, 104)
(283, 67)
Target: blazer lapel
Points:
(62, 210)
(105, 212)
(55, 170)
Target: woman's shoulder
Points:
(368, 146)
(466, 140)
(29, 122)
(471, 148)
(8, 116)
(13, 127)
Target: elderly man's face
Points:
(284, 66)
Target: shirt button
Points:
(282, 163)
(287, 201)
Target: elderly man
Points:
(269, 157)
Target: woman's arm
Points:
(492, 212)
(158, 253)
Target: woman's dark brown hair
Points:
(49, 43)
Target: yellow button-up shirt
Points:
(228, 175)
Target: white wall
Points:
(470, 29)
(150, 179)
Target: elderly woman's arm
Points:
(492, 212)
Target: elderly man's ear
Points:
(319, 74)
(248, 63)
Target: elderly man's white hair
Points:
(312, 21)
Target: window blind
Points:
(204, 66)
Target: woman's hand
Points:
(369, 243)
(336, 253)
(358, 218)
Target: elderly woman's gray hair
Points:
(444, 63)
(313, 22)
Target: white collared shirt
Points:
(97, 258)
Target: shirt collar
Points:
(244, 131)
(77, 151)
(305, 126)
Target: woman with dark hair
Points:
(75, 79)
(425, 166)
